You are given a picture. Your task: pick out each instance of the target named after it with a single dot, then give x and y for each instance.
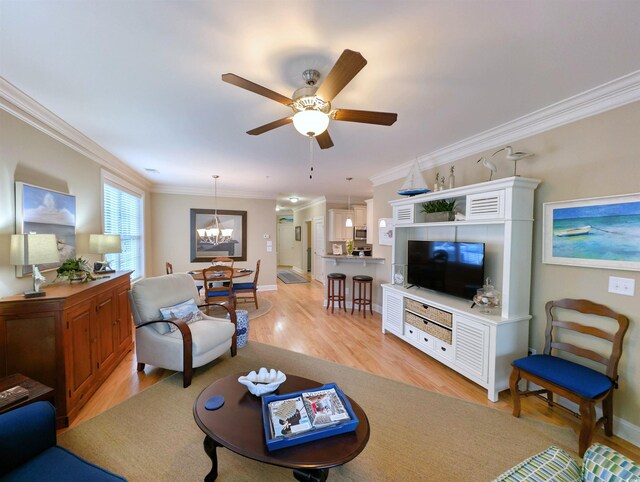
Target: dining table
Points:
(237, 273)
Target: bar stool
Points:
(362, 300)
(331, 296)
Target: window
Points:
(122, 214)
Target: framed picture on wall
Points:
(298, 233)
(596, 232)
(224, 234)
(385, 234)
(43, 211)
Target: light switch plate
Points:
(622, 286)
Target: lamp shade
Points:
(104, 243)
(310, 122)
(31, 249)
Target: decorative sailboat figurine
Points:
(414, 183)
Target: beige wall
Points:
(598, 156)
(30, 156)
(171, 225)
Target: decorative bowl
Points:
(263, 382)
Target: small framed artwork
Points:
(218, 233)
(43, 211)
(385, 234)
(596, 232)
(298, 233)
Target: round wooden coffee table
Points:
(237, 425)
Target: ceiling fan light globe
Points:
(310, 122)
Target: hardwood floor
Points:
(298, 321)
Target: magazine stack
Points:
(301, 417)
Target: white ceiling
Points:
(142, 78)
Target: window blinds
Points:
(123, 216)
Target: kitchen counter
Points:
(345, 258)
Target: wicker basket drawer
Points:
(428, 327)
(443, 317)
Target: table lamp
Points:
(104, 244)
(34, 249)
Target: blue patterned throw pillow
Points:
(187, 310)
(603, 464)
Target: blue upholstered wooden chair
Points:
(28, 449)
(218, 285)
(249, 290)
(578, 383)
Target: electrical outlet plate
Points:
(622, 286)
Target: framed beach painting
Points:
(43, 211)
(224, 236)
(597, 232)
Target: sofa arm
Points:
(603, 464)
(24, 433)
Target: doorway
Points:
(308, 246)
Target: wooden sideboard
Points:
(71, 339)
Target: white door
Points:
(285, 245)
(318, 248)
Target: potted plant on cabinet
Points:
(75, 269)
(440, 210)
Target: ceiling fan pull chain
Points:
(311, 157)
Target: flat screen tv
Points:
(450, 267)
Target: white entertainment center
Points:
(479, 346)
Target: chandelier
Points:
(215, 232)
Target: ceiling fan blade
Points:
(344, 70)
(324, 140)
(255, 88)
(365, 116)
(270, 126)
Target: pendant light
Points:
(349, 222)
(215, 233)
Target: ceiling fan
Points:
(311, 105)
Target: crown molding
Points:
(613, 94)
(313, 202)
(23, 107)
(208, 191)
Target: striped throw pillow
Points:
(552, 464)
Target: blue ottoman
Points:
(242, 327)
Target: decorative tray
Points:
(348, 424)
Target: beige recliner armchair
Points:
(193, 343)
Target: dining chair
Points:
(576, 382)
(250, 288)
(222, 260)
(218, 285)
(168, 267)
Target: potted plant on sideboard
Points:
(74, 269)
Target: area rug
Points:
(415, 434)
(290, 277)
(263, 304)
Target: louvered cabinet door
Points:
(471, 341)
(403, 214)
(485, 205)
(392, 319)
